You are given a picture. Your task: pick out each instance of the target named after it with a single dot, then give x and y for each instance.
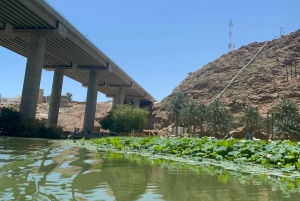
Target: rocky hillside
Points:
(262, 84)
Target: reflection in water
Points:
(127, 179)
(36, 169)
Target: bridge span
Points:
(35, 30)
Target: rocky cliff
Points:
(274, 74)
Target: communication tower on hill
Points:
(230, 46)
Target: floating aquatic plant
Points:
(279, 158)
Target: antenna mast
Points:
(230, 46)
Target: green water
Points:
(35, 169)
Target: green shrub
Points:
(10, 120)
(12, 124)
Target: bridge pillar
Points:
(114, 101)
(120, 96)
(33, 75)
(91, 101)
(136, 102)
(55, 98)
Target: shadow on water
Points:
(37, 169)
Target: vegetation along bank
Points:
(278, 158)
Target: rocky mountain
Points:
(272, 75)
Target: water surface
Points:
(36, 169)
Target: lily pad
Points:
(288, 169)
(276, 158)
(234, 153)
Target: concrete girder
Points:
(131, 86)
(2, 25)
(99, 85)
(117, 71)
(72, 67)
(37, 10)
(26, 37)
(79, 43)
(57, 56)
(7, 32)
(25, 34)
(126, 96)
(40, 16)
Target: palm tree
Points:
(286, 114)
(177, 103)
(69, 96)
(286, 108)
(287, 126)
(202, 116)
(250, 117)
(218, 119)
(190, 114)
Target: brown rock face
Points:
(262, 84)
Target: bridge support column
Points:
(136, 102)
(114, 101)
(120, 96)
(55, 98)
(33, 75)
(91, 101)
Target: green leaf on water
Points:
(219, 149)
(289, 157)
(233, 153)
(297, 165)
(240, 160)
(219, 157)
(276, 158)
(288, 169)
(158, 148)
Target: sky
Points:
(158, 42)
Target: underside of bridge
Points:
(35, 30)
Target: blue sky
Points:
(158, 42)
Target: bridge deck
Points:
(66, 47)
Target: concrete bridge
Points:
(33, 29)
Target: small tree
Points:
(125, 118)
(140, 118)
(69, 96)
(107, 122)
(250, 117)
(218, 119)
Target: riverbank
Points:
(278, 158)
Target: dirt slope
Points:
(69, 117)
